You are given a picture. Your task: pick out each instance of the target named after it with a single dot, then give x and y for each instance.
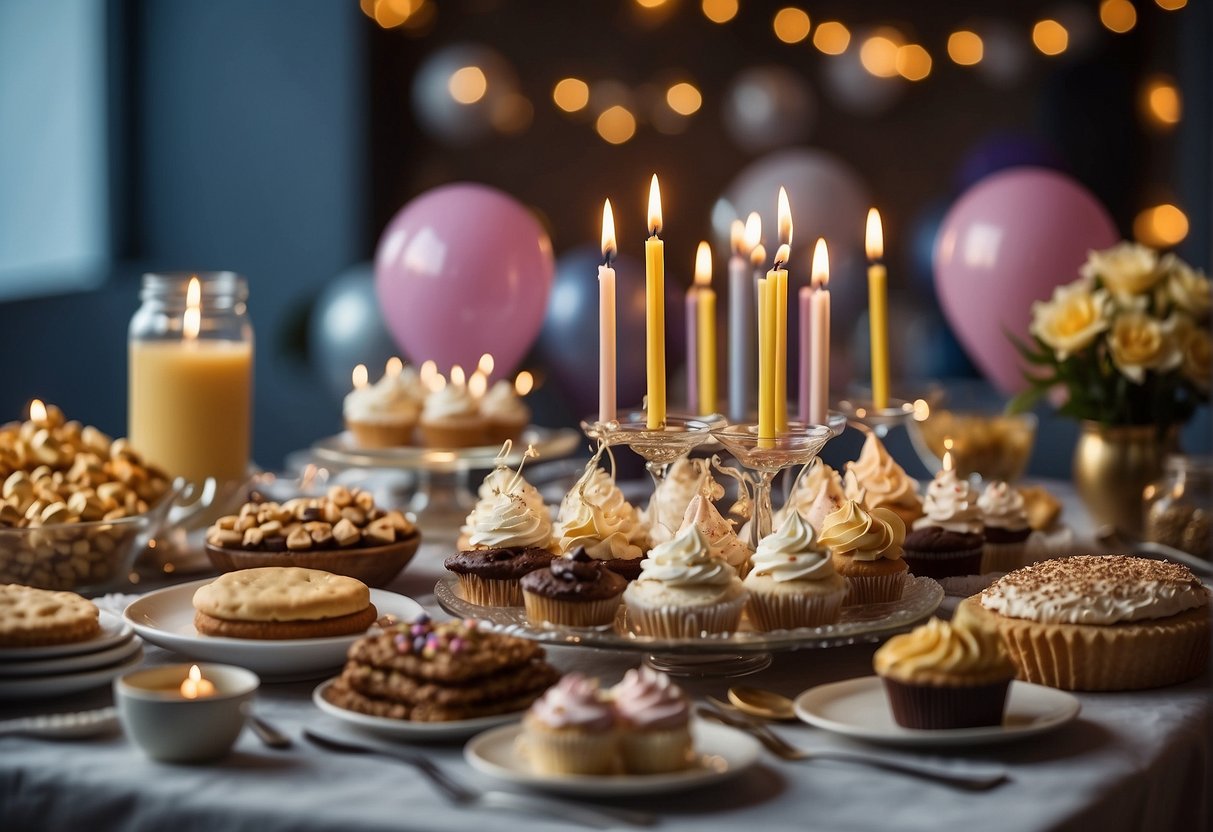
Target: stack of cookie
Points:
(281, 602)
(32, 617)
(429, 672)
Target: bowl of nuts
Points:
(343, 532)
(76, 506)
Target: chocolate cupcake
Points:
(948, 540)
(1006, 528)
(574, 591)
(490, 577)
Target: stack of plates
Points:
(57, 669)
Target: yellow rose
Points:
(1197, 348)
(1126, 269)
(1186, 287)
(1071, 320)
(1139, 342)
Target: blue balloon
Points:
(924, 228)
(999, 151)
(346, 329)
(568, 342)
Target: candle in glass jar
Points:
(195, 686)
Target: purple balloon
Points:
(1008, 241)
(568, 342)
(462, 270)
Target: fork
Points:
(785, 750)
(461, 795)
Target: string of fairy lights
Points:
(617, 111)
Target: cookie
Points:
(532, 677)
(341, 625)
(281, 594)
(481, 654)
(31, 617)
(342, 695)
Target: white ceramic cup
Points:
(173, 729)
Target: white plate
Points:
(403, 729)
(66, 683)
(859, 708)
(71, 664)
(721, 753)
(166, 617)
(113, 631)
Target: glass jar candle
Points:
(1179, 506)
(190, 352)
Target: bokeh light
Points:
(879, 53)
(571, 94)
(791, 24)
(1050, 37)
(720, 11)
(616, 124)
(468, 84)
(913, 62)
(684, 98)
(965, 48)
(832, 37)
(1162, 225)
(1162, 101)
(1117, 15)
(1171, 5)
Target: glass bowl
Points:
(993, 445)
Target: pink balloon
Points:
(1008, 241)
(462, 270)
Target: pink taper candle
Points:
(606, 319)
(819, 348)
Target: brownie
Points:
(937, 539)
(996, 534)
(508, 564)
(575, 577)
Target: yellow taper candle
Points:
(878, 311)
(706, 300)
(654, 273)
(780, 276)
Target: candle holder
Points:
(863, 415)
(657, 446)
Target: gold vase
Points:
(1113, 464)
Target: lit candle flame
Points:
(37, 411)
(782, 255)
(524, 384)
(191, 322)
(608, 232)
(785, 219)
(654, 208)
(195, 686)
(457, 377)
(430, 377)
(486, 364)
(947, 460)
(753, 230)
(758, 255)
(874, 238)
(360, 376)
(394, 367)
(821, 264)
(703, 264)
(737, 237)
(478, 384)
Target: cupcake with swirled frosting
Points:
(685, 479)
(875, 480)
(866, 549)
(1006, 528)
(684, 592)
(792, 581)
(571, 729)
(947, 540)
(596, 517)
(654, 716)
(501, 479)
(505, 414)
(723, 541)
(943, 675)
(383, 414)
(509, 538)
(807, 493)
(451, 419)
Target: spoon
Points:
(764, 704)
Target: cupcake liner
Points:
(486, 592)
(570, 613)
(933, 707)
(1129, 656)
(381, 434)
(496, 432)
(687, 621)
(452, 434)
(944, 564)
(1003, 557)
(657, 751)
(570, 751)
(874, 589)
(785, 611)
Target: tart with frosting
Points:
(867, 551)
(573, 591)
(947, 540)
(595, 516)
(571, 729)
(654, 716)
(685, 479)
(723, 542)
(1099, 622)
(1006, 528)
(875, 480)
(451, 419)
(943, 675)
(792, 581)
(505, 414)
(383, 414)
(683, 591)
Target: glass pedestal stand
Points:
(864, 416)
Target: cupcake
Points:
(505, 415)
(875, 480)
(595, 517)
(501, 480)
(685, 478)
(1006, 528)
(509, 538)
(451, 419)
(574, 591)
(947, 541)
(866, 550)
(655, 718)
(943, 675)
(684, 592)
(383, 414)
(792, 582)
(723, 542)
(809, 485)
(571, 729)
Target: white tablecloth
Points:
(1132, 761)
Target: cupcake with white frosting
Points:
(505, 414)
(792, 581)
(655, 717)
(875, 480)
(685, 479)
(596, 517)
(501, 480)
(684, 592)
(509, 539)
(723, 541)
(383, 414)
(947, 540)
(1006, 528)
(451, 419)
